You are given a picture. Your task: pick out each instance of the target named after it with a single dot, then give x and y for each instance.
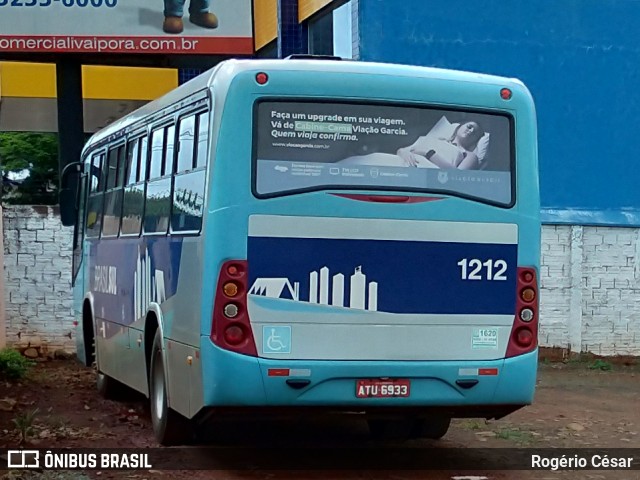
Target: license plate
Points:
(375, 388)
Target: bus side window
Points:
(157, 209)
(96, 197)
(144, 158)
(133, 203)
(167, 165)
(113, 196)
(186, 139)
(188, 192)
(203, 140)
(157, 153)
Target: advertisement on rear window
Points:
(126, 26)
(303, 146)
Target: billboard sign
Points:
(126, 26)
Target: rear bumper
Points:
(233, 380)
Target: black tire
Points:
(169, 427)
(390, 429)
(433, 428)
(108, 387)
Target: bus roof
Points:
(226, 70)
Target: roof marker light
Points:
(262, 78)
(506, 94)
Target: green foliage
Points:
(600, 365)
(24, 424)
(37, 153)
(13, 366)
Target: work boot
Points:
(172, 25)
(204, 19)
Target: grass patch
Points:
(24, 424)
(13, 366)
(601, 365)
(473, 425)
(515, 435)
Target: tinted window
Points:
(203, 139)
(133, 206)
(133, 157)
(186, 138)
(158, 206)
(168, 156)
(94, 214)
(188, 201)
(312, 146)
(157, 153)
(115, 167)
(144, 158)
(96, 174)
(112, 211)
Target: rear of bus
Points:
(346, 277)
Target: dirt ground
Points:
(579, 403)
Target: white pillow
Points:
(444, 129)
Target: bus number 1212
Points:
(472, 269)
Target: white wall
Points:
(590, 298)
(37, 273)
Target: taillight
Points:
(524, 334)
(231, 328)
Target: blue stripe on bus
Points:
(410, 277)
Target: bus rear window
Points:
(306, 146)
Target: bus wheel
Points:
(433, 428)
(169, 427)
(390, 429)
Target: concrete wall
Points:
(591, 289)
(37, 272)
(590, 279)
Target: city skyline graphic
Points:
(147, 288)
(362, 295)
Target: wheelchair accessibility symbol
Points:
(276, 339)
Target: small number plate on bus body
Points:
(375, 388)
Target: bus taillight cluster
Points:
(524, 334)
(231, 328)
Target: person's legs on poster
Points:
(198, 15)
(173, 11)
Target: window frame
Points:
(195, 113)
(165, 125)
(141, 138)
(120, 146)
(398, 104)
(101, 151)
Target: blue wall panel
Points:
(579, 58)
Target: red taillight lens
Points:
(524, 337)
(524, 334)
(506, 94)
(231, 327)
(234, 335)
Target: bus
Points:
(310, 235)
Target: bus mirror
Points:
(68, 207)
(68, 186)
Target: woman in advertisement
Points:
(463, 149)
(455, 152)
